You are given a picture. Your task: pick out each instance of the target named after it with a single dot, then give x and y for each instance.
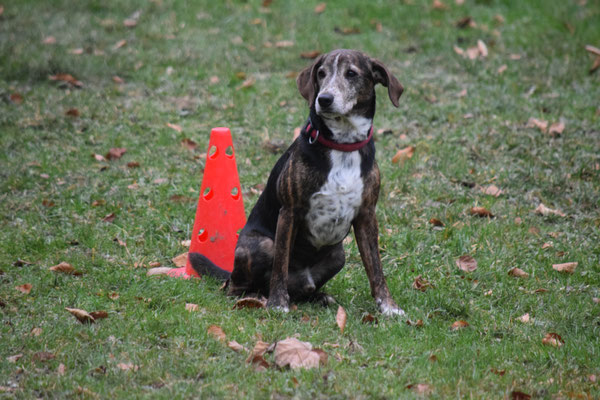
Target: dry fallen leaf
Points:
(436, 222)
(403, 154)
(44, 356)
(553, 339)
(340, 318)
(158, 271)
(65, 268)
(235, 346)
(25, 288)
(502, 68)
(191, 307)
(216, 332)
(517, 395)
(556, 128)
(459, 325)
(422, 389)
(438, 5)
(109, 217)
(72, 112)
(319, 8)
(115, 153)
(67, 78)
(421, 284)
(568, 268)
(492, 190)
(250, 302)
(248, 83)
(310, 54)
(596, 53)
(189, 143)
(259, 363)
(518, 273)
(483, 51)
(15, 358)
(466, 263)
(545, 211)
(175, 127)
(369, 319)
(537, 123)
(99, 315)
(119, 44)
(481, 212)
(296, 354)
(60, 370)
(284, 43)
(36, 332)
(180, 260)
(127, 367)
(524, 318)
(82, 316)
(259, 349)
(16, 98)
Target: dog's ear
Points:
(383, 76)
(307, 81)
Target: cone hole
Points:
(202, 235)
(213, 152)
(208, 194)
(229, 151)
(235, 193)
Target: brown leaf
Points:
(191, 307)
(260, 348)
(158, 271)
(483, 51)
(421, 284)
(370, 319)
(130, 22)
(67, 78)
(403, 154)
(25, 288)
(82, 316)
(44, 356)
(65, 268)
(438, 5)
(340, 318)
(481, 212)
(133, 164)
(296, 354)
(466, 263)
(99, 157)
(15, 358)
(113, 295)
(60, 370)
(248, 83)
(346, 30)
(72, 112)
(119, 44)
(216, 332)
(259, 363)
(283, 43)
(319, 8)
(235, 346)
(36, 332)
(189, 143)
(518, 273)
(422, 389)
(556, 128)
(524, 318)
(180, 260)
(16, 98)
(118, 80)
(545, 211)
(502, 68)
(250, 302)
(127, 367)
(418, 323)
(537, 123)
(436, 222)
(466, 22)
(115, 153)
(178, 198)
(492, 190)
(109, 217)
(175, 127)
(49, 40)
(99, 315)
(568, 268)
(553, 339)
(310, 54)
(459, 325)
(517, 395)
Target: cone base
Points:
(180, 273)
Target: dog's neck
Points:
(343, 129)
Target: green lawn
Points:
(200, 64)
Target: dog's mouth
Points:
(330, 115)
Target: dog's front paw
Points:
(279, 303)
(389, 308)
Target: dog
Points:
(326, 182)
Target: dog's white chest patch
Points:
(335, 205)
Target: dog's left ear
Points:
(307, 81)
(383, 76)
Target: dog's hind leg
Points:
(251, 266)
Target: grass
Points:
(54, 195)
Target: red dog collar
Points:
(347, 147)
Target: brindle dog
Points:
(325, 182)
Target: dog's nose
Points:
(325, 100)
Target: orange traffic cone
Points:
(220, 212)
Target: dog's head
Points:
(341, 83)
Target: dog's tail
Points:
(203, 266)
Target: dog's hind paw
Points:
(323, 299)
(390, 309)
(278, 304)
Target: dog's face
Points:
(341, 83)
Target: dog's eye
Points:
(350, 74)
(321, 74)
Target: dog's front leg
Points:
(279, 297)
(366, 232)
